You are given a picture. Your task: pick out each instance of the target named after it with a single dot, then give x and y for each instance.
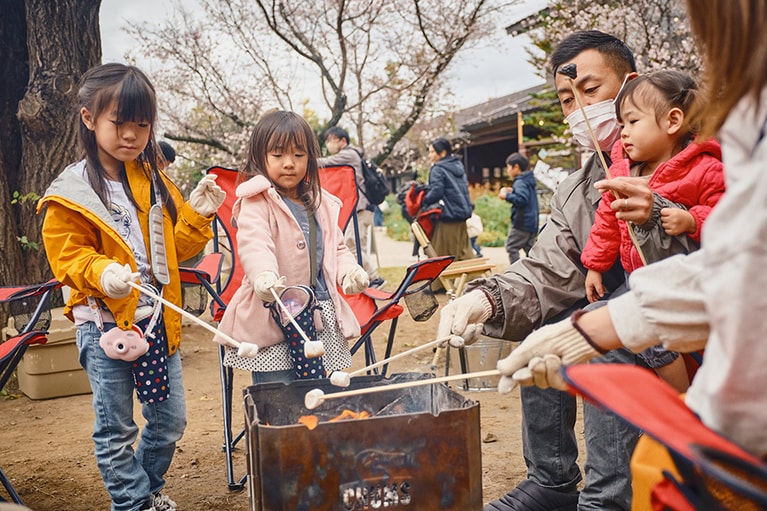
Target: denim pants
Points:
(551, 449)
(130, 476)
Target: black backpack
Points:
(376, 184)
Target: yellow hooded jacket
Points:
(81, 240)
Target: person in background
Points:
(474, 228)
(343, 153)
(524, 206)
(97, 235)
(168, 155)
(549, 284)
(713, 297)
(657, 144)
(277, 203)
(449, 187)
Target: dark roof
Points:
(498, 110)
(527, 23)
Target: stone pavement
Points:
(397, 253)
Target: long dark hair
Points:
(133, 93)
(277, 131)
(731, 37)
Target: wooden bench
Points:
(455, 276)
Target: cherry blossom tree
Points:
(376, 64)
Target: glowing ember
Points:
(311, 421)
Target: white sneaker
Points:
(162, 503)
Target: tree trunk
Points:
(51, 44)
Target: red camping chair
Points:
(417, 283)
(716, 473)
(341, 182)
(220, 273)
(28, 308)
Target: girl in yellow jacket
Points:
(111, 218)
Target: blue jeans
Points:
(130, 476)
(551, 450)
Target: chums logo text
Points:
(366, 495)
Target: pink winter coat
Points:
(270, 239)
(694, 178)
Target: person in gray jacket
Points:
(343, 153)
(548, 285)
(712, 298)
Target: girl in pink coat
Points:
(279, 196)
(686, 178)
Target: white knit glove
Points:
(355, 281)
(464, 318)
(537, 361)
(265, 282)
(115, 278)
(207, 196)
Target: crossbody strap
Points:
(312, 250)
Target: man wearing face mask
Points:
(547, 286)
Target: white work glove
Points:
(537, 361)
(115, 278)
(265, 282)
(207, 196)
(355, 281)
(464, 318)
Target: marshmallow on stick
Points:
(244, 349)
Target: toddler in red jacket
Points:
(686, 177)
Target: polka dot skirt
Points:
(278, 358)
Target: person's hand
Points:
(635, 198)
(502, 193)
(540, 356)
(595, 290)
(355, 281)
(463, 318)
(115, 278)
(265, 282)
(677, 221)
(207, 196)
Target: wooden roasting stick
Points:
(244, 349)
(343, 379)
(316, 397)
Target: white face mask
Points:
(603, 121)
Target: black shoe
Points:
(530, 496)
(377, 283)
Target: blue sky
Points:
(495, 69)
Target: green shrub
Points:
(493, 211)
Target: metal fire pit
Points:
(419, 450)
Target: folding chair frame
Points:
(423, 272)
(15, 346)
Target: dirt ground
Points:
(46, 448)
